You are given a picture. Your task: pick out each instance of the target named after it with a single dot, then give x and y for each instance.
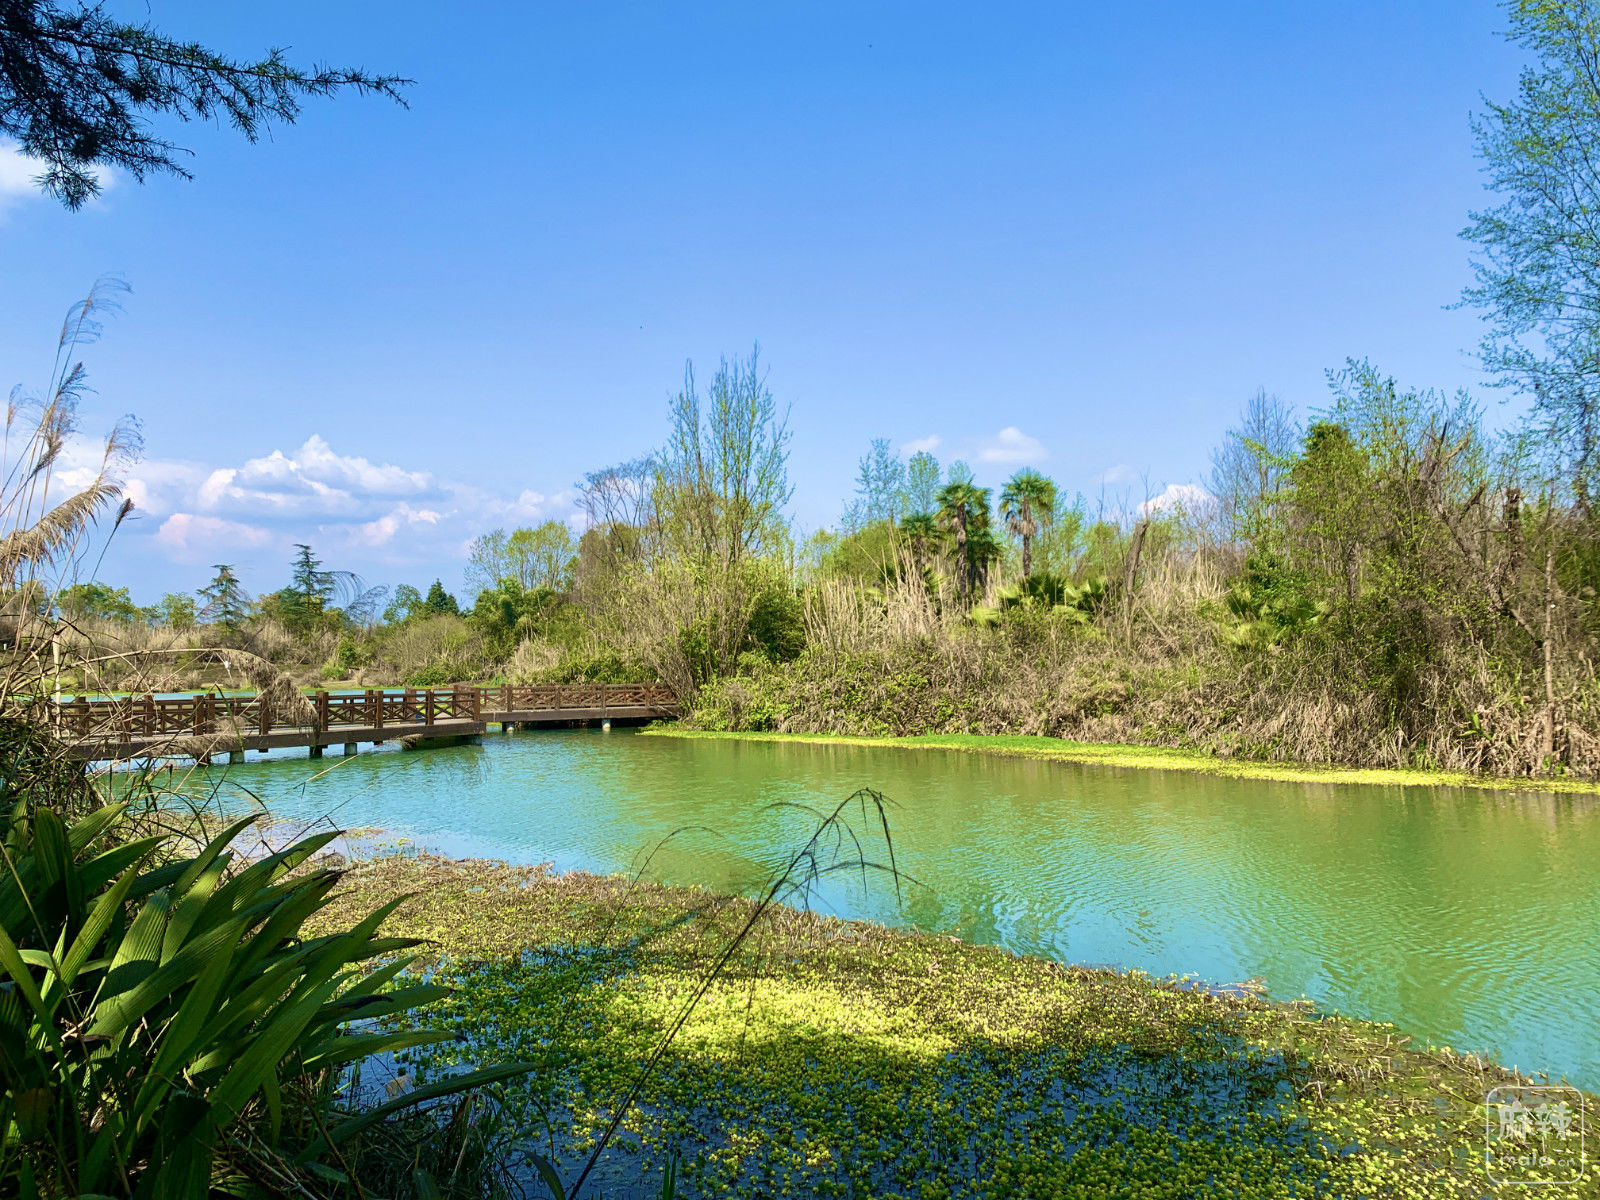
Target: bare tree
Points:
(619, 495)
(1250, 470)
(722, 481)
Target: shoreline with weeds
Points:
(1149, 758)
(842, 1058)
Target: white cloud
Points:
(313, 481)
(1187, 497)
(1121, 473)
(371, 516)
(921, 445)
(18, 175)
(189, 537)
(1012, 447)
(162, 486)
(381, 531)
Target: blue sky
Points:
(1070, 236)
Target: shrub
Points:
(165, 1028)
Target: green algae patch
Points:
(834, 1058)
(1149, 758)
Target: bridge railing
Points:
(149, 716)
(549, 697)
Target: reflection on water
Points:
(1470, 918)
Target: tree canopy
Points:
(722, 480)
(1537, 260)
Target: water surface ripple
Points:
(1469, 918)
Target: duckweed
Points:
(1152, 758)
(845, 1059)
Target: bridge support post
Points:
(316, 752)
(349, 749)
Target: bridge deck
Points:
(204, 724)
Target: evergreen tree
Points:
(440, 602)
(312, 586)
(224, 600)
(78, 88)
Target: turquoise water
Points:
(1468, 918)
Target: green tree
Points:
(508, 613)
(1537, 261)
(78, 89)
(312, 587)
(869, 554)
(921, 531)
(542, 556)
(406, 603)
(440, 601)
(1028, 504)
(488, 560)
(963, 510)
(175, 611)
(224, 600)
(1059, 547)
(97, 600)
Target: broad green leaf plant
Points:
(167, 1031)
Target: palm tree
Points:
(1028, 505)
(962, 507)
(921, 529)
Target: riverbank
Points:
(1151, 758)
(845, 1058)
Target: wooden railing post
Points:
(427, 706)
(322, 712)
(263, 714)
(197, 718)
(375, 708)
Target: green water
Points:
(1468, 918)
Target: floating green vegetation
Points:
(835, 1058)
(1151, 758)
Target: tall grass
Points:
(887, 659)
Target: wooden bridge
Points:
(205, 724)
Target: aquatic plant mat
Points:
(1151, 758)
(839, 1058)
